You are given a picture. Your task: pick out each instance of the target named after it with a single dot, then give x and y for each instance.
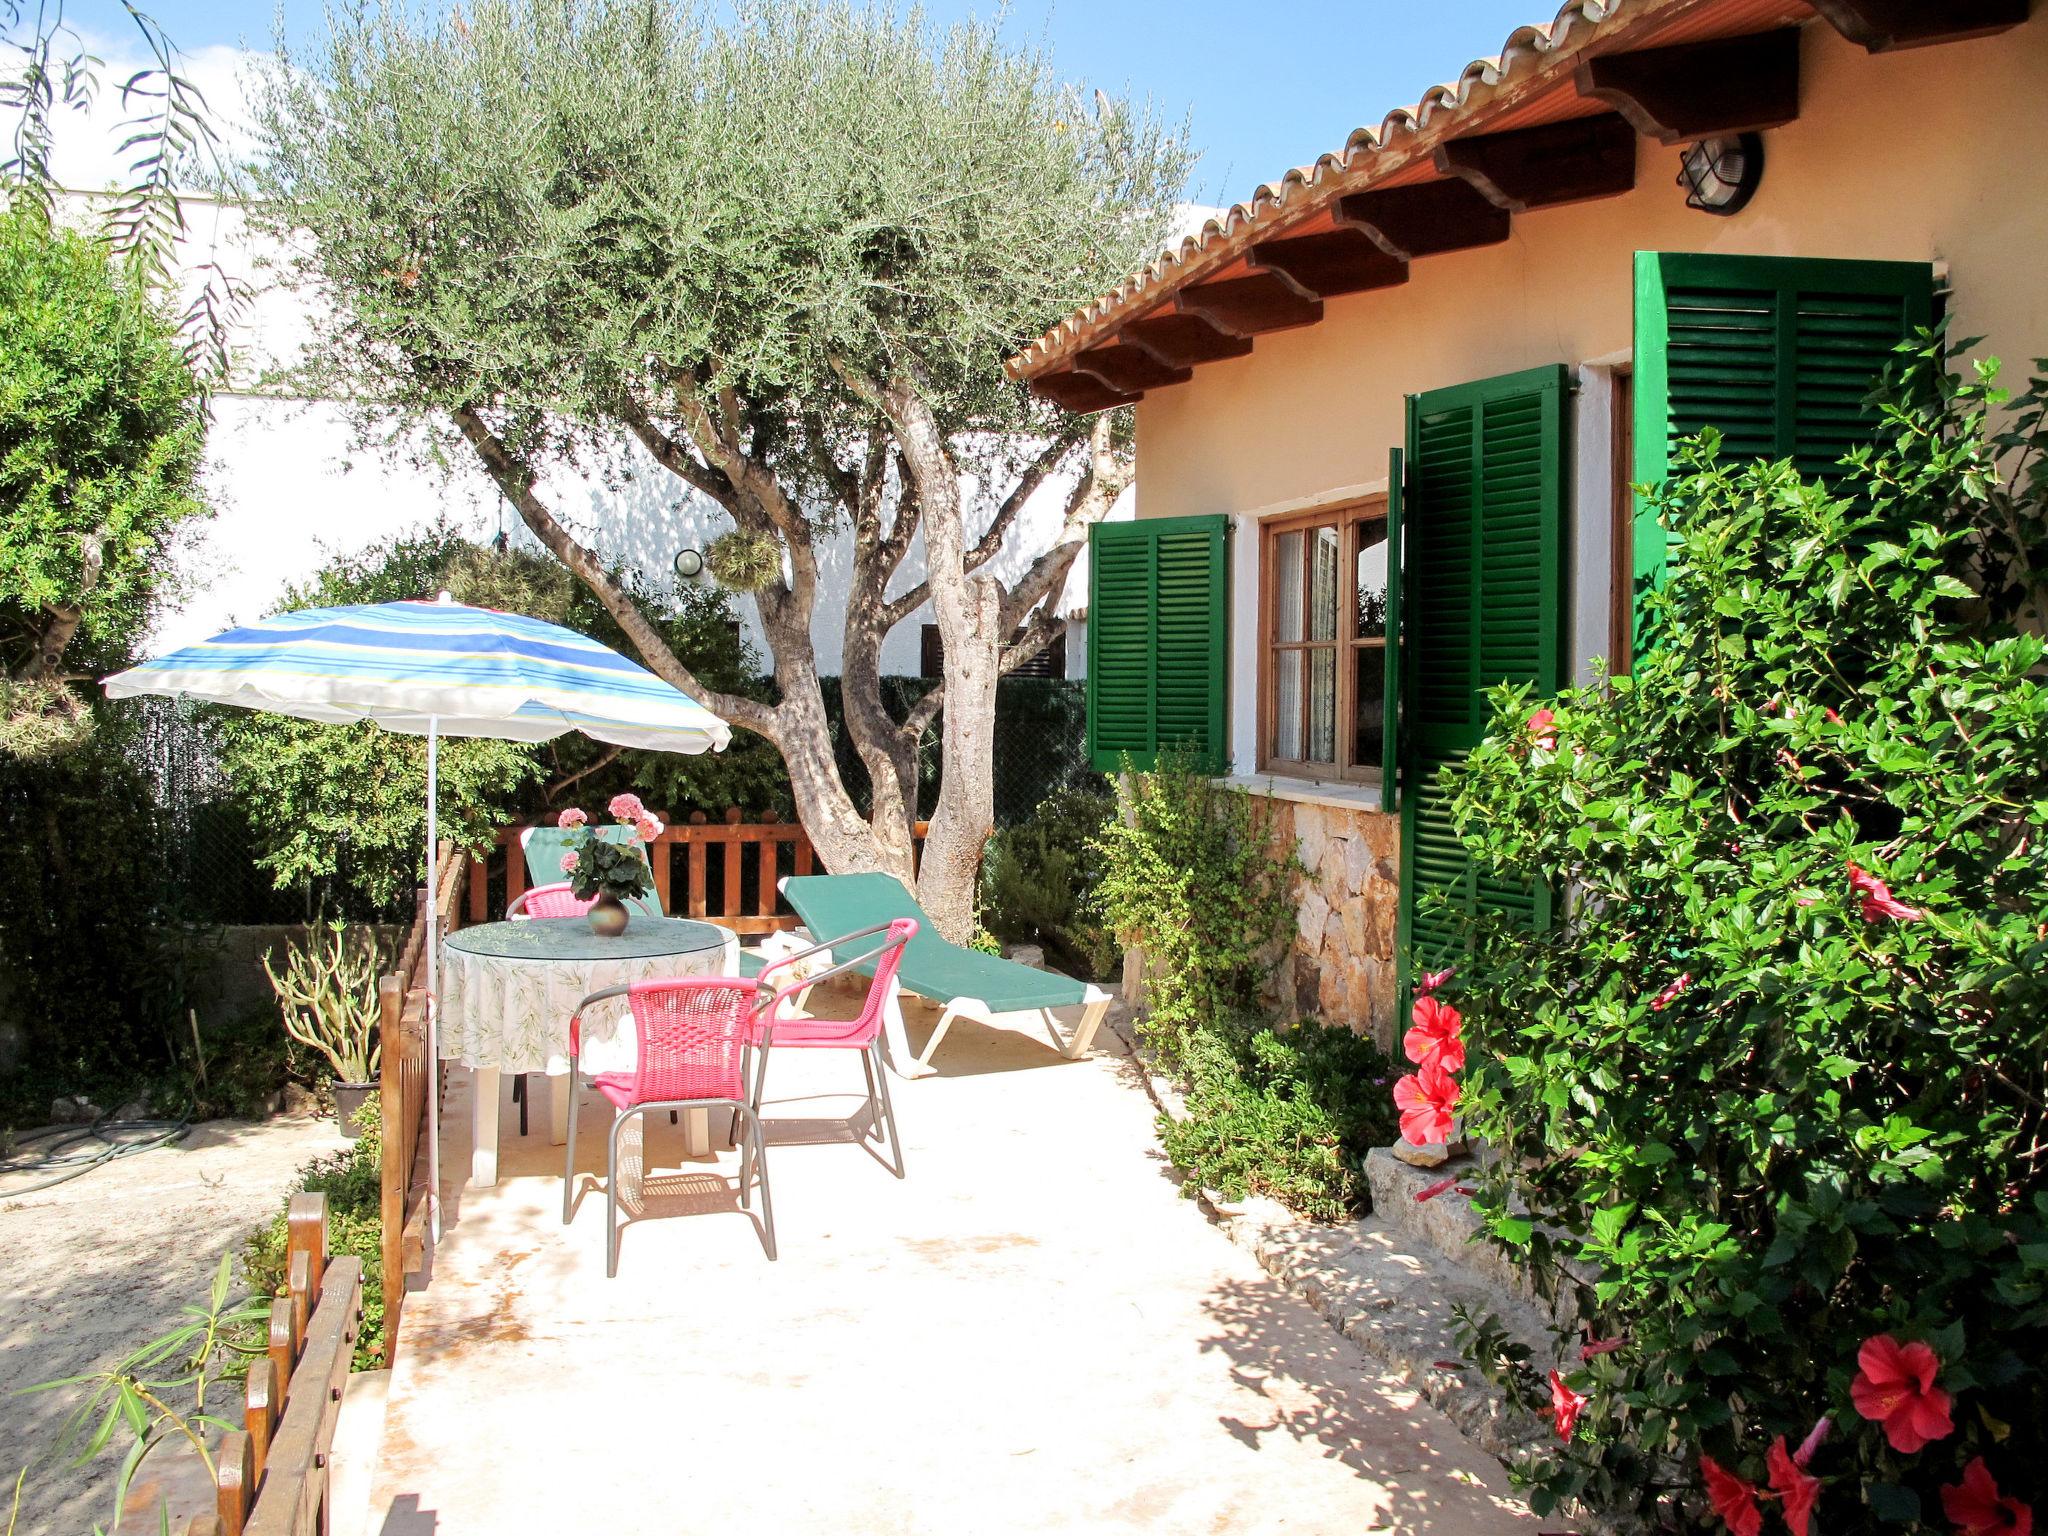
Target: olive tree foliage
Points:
(785, 254)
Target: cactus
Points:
(328, 994)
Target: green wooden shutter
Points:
(1778, 353)
(1483, 604)
(1390, 724)
(1157, 648)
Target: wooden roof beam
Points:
(1249, 306)
(1700, 90)
(1081, 393)
(1885, 25)
(1129, 369)
(1424, 220)
(1325, 266)
(1566, 162)
(1181, 341)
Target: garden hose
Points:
(50, 1150)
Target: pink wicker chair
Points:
(862, 1033)
(559, 899)
(700, 1038)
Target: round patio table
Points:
(508, 991)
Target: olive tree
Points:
(785, 254)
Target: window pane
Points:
(1369, 579)
(1369, 665)
(1322, 705)
(1287, 705)
(1322, 592)
(1287, 587)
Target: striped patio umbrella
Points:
(433, 669)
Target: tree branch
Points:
(516, 480)
(670, 454)
(1107, 475)
(1035, 474)
(66, 617)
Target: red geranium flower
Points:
(1669, 995)
(1437, 1035)
(1894, 1386)
(1975, 1507)
(1793, 1485)
(1565, 1406)
(1878, 900)
(1733, 1499)
(1426, 1100)
(1543, 729)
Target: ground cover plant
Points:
(1188, 877)
(1772, 1087)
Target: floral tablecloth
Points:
(509, 989)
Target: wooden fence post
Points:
(234, 1482)
(259, 1415)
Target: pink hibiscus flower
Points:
(1975, 1507)
(571, 819)
(1733, 1499)
(1878, 900)
(1565, 1406)
(1894, 1386)
(1670, 994)
(1426, 1100)
(1543, 729)
(1795, 1487)
(1438, 1035)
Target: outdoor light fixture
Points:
(1720, 175)
(689, 564)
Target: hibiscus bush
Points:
(1767, 1099)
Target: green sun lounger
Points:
(965, 982)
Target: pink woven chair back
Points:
(691, 1031)
(556, 900)
(901, 931)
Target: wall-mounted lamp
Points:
(689, 564)
(1720, 176)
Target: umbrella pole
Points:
(433, 1106)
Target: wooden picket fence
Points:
(407, 1079)
(271, 1475)
(687, 854)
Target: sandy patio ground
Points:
(1033, 1333)
(99, 1265)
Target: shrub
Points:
(352, 1182)
(1289, 1114)
(1187, 878)
(1773, 1084)
(1038, 876)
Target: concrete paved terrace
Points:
(1033, 1332)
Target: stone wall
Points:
(1340, 966)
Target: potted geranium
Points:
(614, 873)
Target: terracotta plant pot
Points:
(608, 918)
(348, 1098)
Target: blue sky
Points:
(1267, 86)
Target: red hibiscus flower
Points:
(1975, 1507)
(1438, 1035)
(1543, 729)
(1894, 1386)
(1565, 1406)
(1669, 995)
(1878, 900)
(1593, 1347)
(1733, 1499)
(1794, 1486)
(1431, 980)
(1426, 1100)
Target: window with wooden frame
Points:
(1322, 642)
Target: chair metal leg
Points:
(888, 1108)
(867, 1067)
(519, 1098)
(569, 1157)
(761, 1173)
(611, 1192)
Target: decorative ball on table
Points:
(610, 873)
